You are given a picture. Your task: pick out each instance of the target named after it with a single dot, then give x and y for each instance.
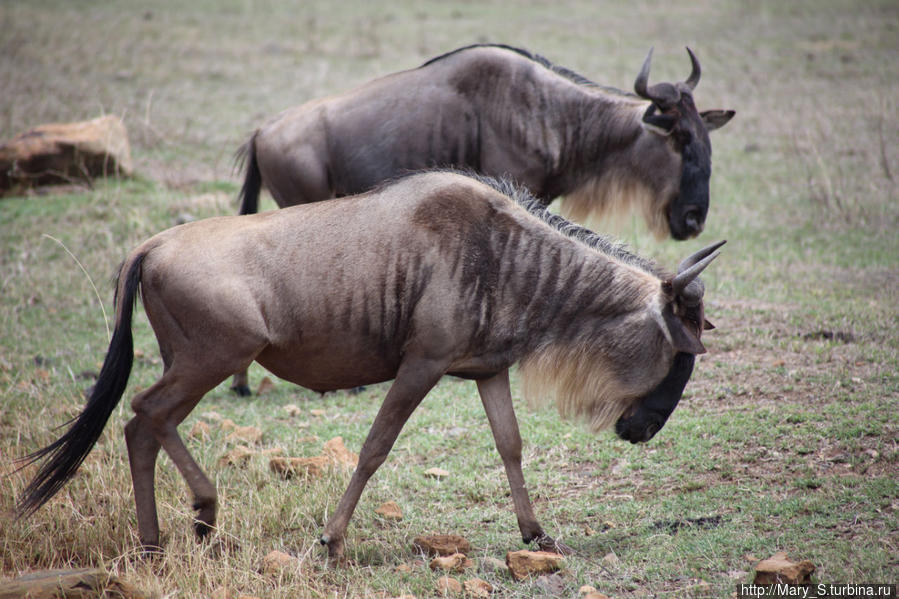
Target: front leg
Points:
(413, 381)
(496, 396)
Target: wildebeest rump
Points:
(502, 112)
(435, 274)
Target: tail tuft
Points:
(66, 454)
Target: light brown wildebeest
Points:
(502, 112)
(436, 274)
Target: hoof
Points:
(335, 548)
(151, 552)
(204, 523)
(242, 390)
(202, 529)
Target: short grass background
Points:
(786, 438)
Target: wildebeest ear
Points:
(681, 338)
(715, 119)
(706, 325)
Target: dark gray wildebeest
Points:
(435, 274)
(502, 112)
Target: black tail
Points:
(252, 183)
(67, 453)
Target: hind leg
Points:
(158, 412)
(142, 451)
(240, 384)
(205, 495)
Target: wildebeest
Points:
(503, 112)
(435, 274)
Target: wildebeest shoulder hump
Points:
(541, 60)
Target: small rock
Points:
(586, 590)
(318, 412)
(290, 467)
(199, 430)
(390, 511)
(403, 569)
(85, 582)
(278, 562)
(338, 454)
(238, 457)
(293, 410)
(525, 563)
(779, 569)
(457, 562)
(475, 587)
(448, 586)
(265, 386)
(551, 584)
(437, 473)
(610, 559)
(595, 595)
(247, 434)
(493, 565)
(441, 544)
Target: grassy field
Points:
(786, 439)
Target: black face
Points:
(686, 215)
(653, 411)
(688, 136)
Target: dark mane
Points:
(524, 198)
(601, 243)
(541, 60)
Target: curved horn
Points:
(693, 80)
(680, 282)
(643, 78)
(693, 259)
(662, 94)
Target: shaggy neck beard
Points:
(610, 199)
(576, 378)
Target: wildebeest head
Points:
(685, 320)
(673, 119)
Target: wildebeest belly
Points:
(329, 366)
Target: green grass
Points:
(784, 441)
